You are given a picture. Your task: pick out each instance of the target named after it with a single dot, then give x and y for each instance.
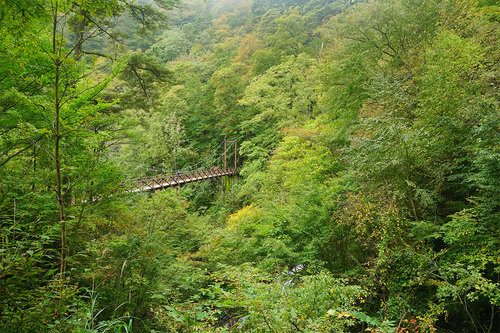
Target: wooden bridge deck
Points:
(169, 180)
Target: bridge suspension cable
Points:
(204, 169)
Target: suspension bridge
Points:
(221, 162)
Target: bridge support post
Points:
(229, 180)
(235, 156)
(228, 174)
(225, 150)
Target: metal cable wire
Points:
(198, 166)
(194, 167)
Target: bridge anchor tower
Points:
(229, 180)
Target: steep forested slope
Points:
(368, 195)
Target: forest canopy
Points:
(366, 195)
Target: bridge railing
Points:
(175, 179)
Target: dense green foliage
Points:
(368, 195)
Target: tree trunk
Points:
(57, 142)
(80, 31)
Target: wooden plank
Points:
(168, 180)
